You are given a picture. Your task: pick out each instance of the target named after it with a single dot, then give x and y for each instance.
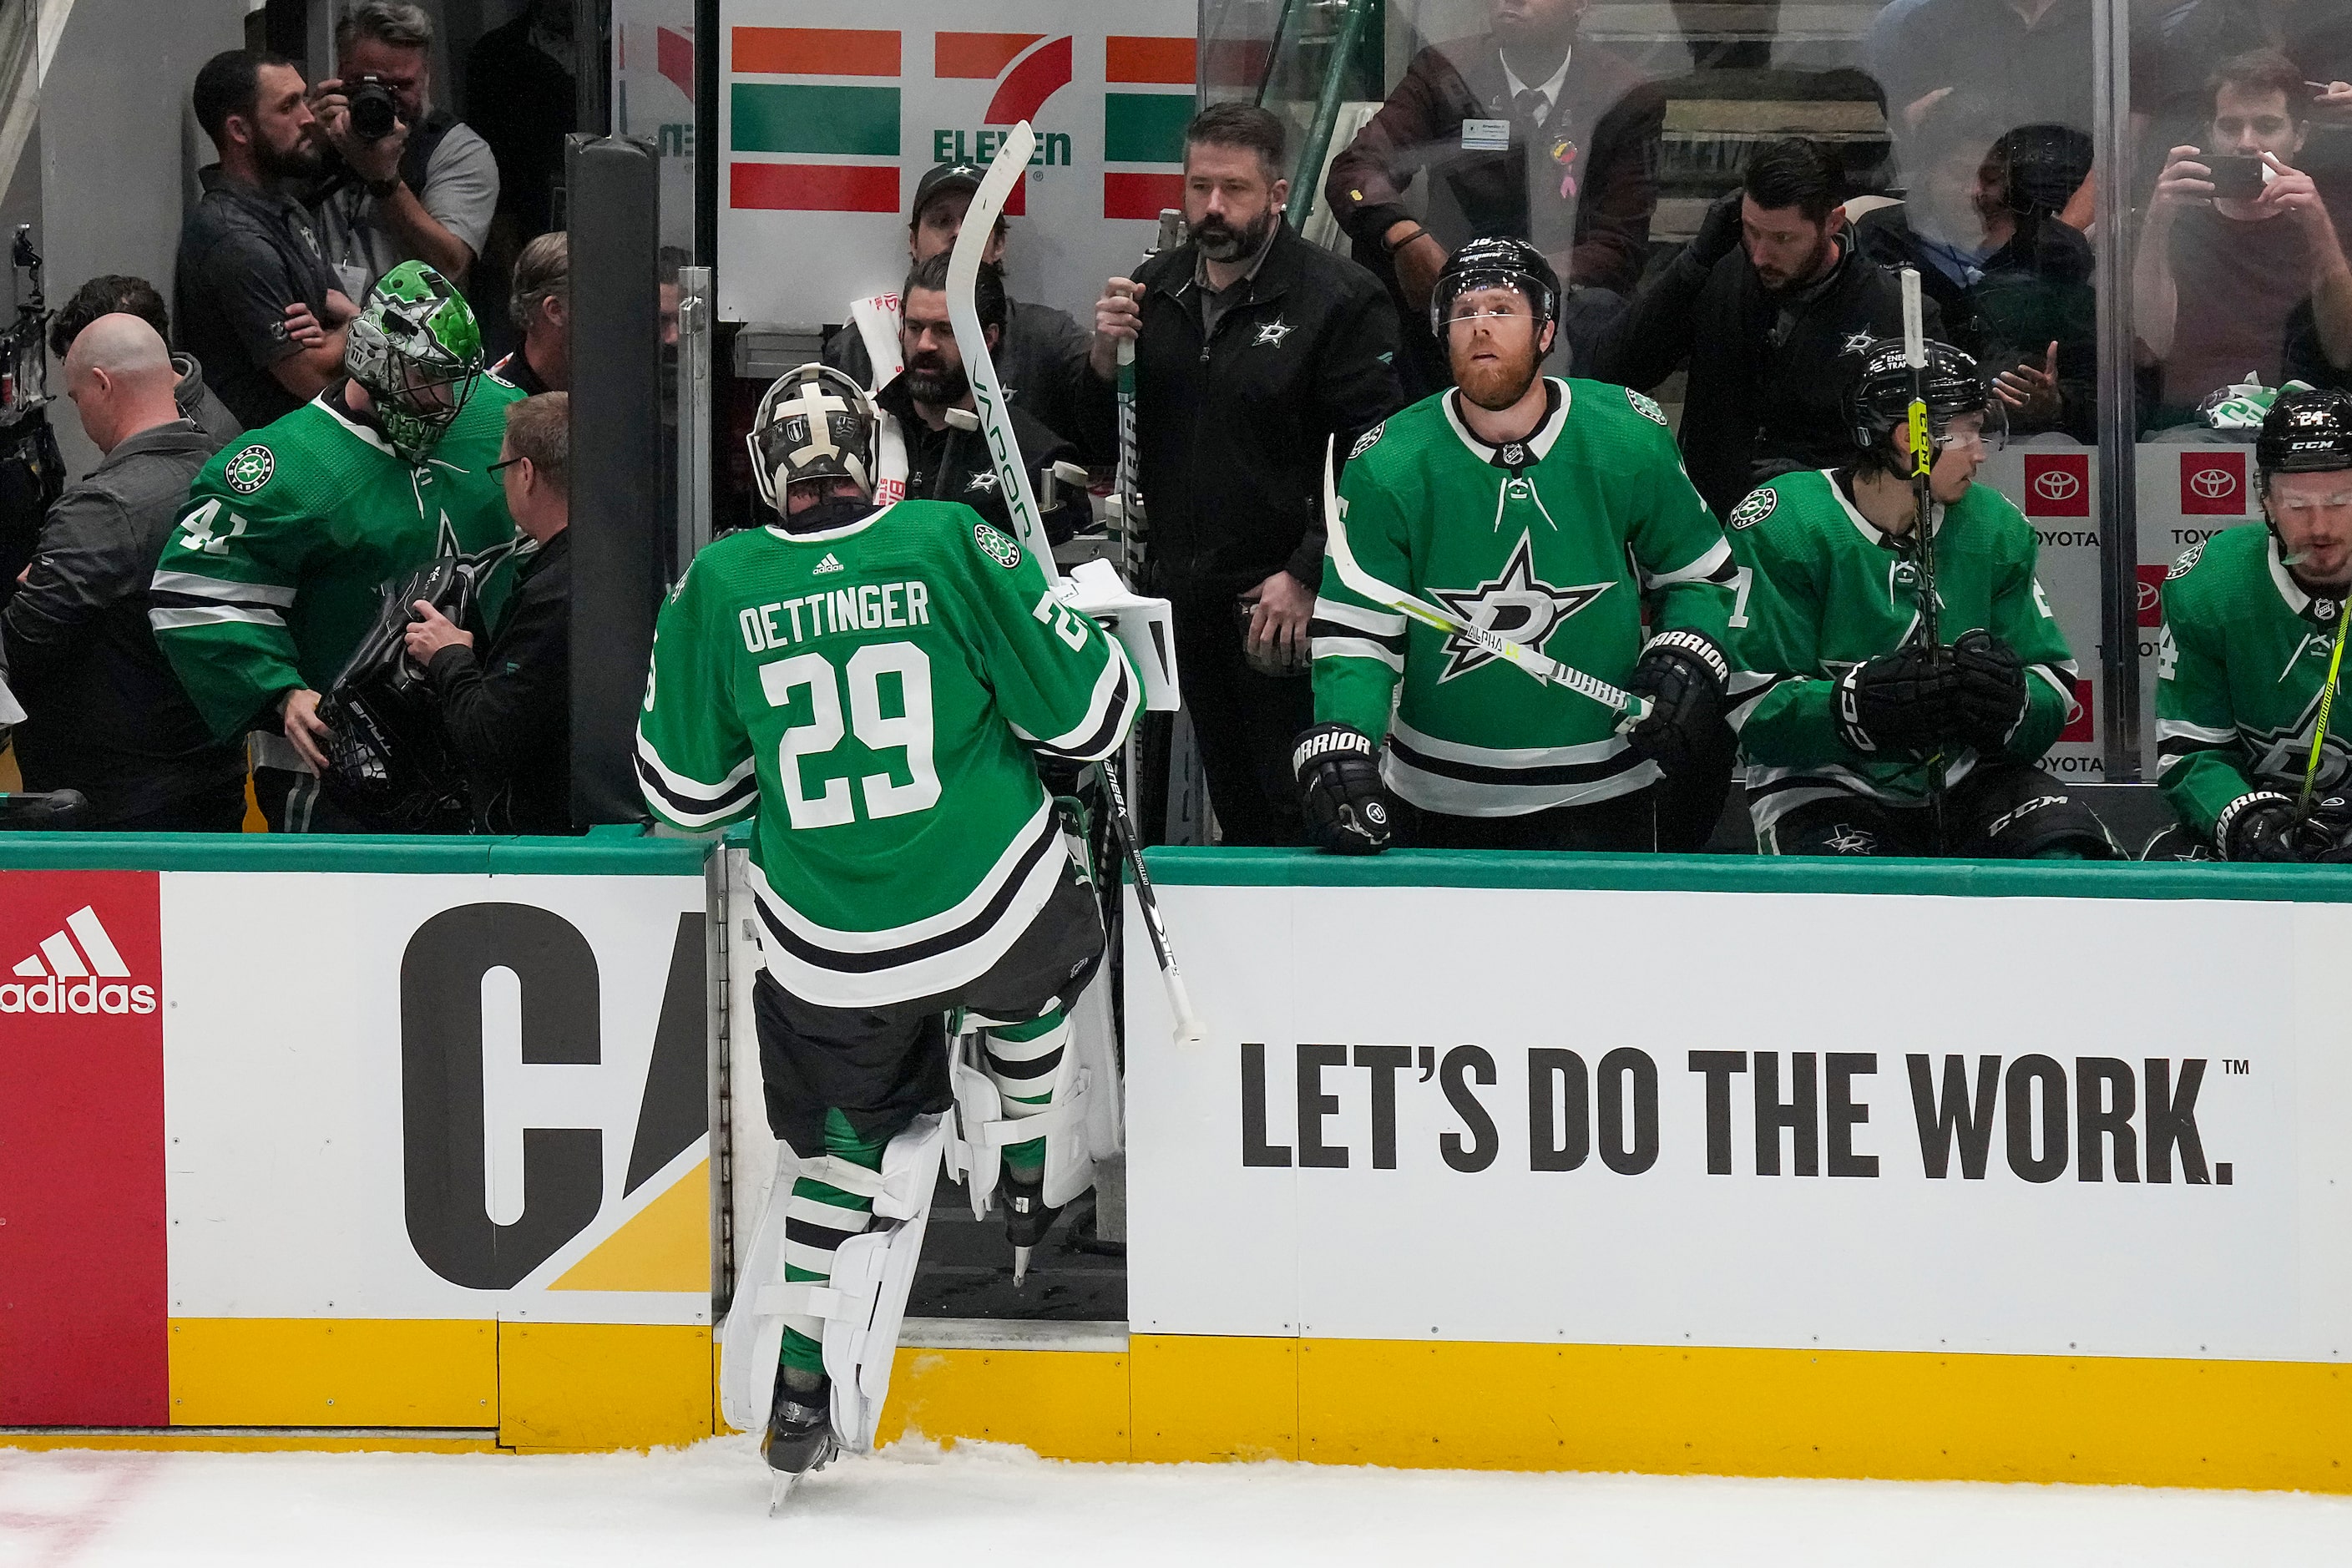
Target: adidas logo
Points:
(76, 970)
(830, 564)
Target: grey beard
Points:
(1232, 244)
(937, 386)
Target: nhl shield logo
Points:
(250, 468)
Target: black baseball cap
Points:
(944, 178)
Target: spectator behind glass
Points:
(1044, 357)
(1761, 306)
(519, 95)
(541, 309)
(1519, 132)
(257, 305)
(507, 711)
(2012, 282)
(425, 191)
(113, 292)
(2028, 61)
(106, 715)
(2192, 39)
(944, 463)
(2243, 264)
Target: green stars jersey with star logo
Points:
(882, 718)
(2239, 675)
(275, 570)
(1554, 541)
(1832, 591)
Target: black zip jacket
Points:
(955, 465)
(1231, 430)
(1754, 407)
(107, 716)
(507, 714)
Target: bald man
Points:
(104, 714)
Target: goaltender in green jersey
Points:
(275, 569)
(877, 685)
(1550, 513)
(2251, 620)
(1846, 711)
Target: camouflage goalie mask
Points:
(417, 350)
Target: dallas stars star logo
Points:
(1857, 343)
(1514, 605)
(982, 482)
(1271, 333)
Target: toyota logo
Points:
(2150, 596)
(2056, 484)
(2213, 483)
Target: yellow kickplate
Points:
(602, 1385)
(1065, 1404)
(2261, 1425)
(1207, 1397)
(333, 1371)
(256, 1440)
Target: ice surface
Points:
(913, 1504)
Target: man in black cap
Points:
(1043, 357)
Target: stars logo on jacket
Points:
(983, 482)
(1517, 604)
(1271, 333)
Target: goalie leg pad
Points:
(872, 1274)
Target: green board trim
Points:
(1179, 868)
(596, 856)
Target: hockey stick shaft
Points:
(1922, 503)
(1539, 665)
(2326, 705)
(1124, 485)
(1189, 1029)
(1011, 162)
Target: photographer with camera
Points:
(409, 183)
(2243, 235)
(507, 710)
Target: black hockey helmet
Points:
(813, 423)
(2308, 431)
(1495, 262)
(1878, 392)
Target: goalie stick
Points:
(1536, 665)
(1011, 162)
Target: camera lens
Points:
(373, 116)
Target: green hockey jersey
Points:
(1832, 591)
(2239, 675)
(275, 569)
(1553, 542)
(875, 693)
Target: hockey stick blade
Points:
(1011, 162)
(1540, 667)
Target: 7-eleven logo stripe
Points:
(1145, 127)
(837, 121)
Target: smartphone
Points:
(2236, 177)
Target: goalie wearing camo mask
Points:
(1850, 720)
(276, 571)
(874, 685)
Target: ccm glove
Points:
(1989, 693)
(1903, 703)
(2260, 826)
(1349, 810)
(1684, 675)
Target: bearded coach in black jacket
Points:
(1252, 349)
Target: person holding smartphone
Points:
(2236, 229)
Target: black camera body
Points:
(373, 114)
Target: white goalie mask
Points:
(813, 423)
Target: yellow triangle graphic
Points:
(666, 1248)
